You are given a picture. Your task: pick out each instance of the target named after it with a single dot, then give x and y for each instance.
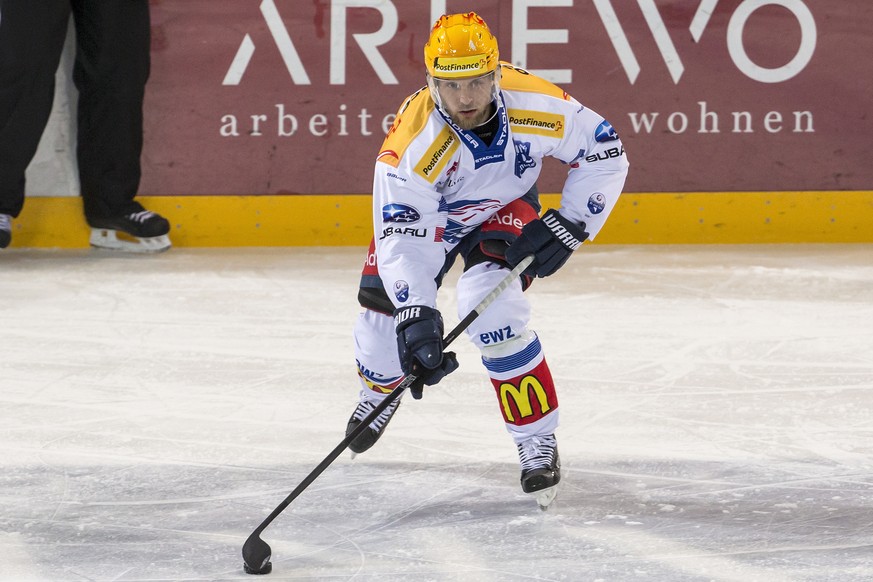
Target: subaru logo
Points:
(605, 132)
(399, 213)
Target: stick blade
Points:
(256, 556)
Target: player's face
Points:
(467, 101)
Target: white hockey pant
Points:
(511, 353)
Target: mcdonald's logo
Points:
(518, 399)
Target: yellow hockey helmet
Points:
(460, 45)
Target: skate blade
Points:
(113, 240)
(545, 496)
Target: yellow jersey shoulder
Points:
(410, 121)
(532, 114)
(516, 79)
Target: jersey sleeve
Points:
(407, 222)
(588, 143)
(598, 167)
(409, 215)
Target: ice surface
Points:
(716, 402)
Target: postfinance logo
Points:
(536, 122)
(449, 67)
(437, 155)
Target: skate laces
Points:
(537, 452)
(5, 222)
(140, 216)
(365, 407)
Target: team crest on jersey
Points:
(605, 132)
(463, 215)
(523, 161)
(596, 203)
(400, 213)
(401, 290)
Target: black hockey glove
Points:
(550, 239)
(420, 346)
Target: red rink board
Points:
(284, 96)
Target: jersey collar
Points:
(484, 154)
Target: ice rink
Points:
(716, 422)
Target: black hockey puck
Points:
(265, 569)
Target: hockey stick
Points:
(256, 552)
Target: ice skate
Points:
(5, 230)
(540, 468)
(371, 434)
(137, 232)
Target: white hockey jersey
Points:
(434, 182)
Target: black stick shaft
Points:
(395, 394)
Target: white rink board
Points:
(53, 170)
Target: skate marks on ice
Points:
(399, 521)
(727, 521)
(716, 423)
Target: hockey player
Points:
(456, 178)
(111, 69)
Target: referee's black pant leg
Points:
(111, 71)
(32, 34)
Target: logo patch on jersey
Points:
(523, 161)
(605, 132)
(536, 122)
(596, 203)
(401, 290)
(465, 215)
(451, 179)
(613, 152)
(403, 231)
(400, 213)
(437, 155)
